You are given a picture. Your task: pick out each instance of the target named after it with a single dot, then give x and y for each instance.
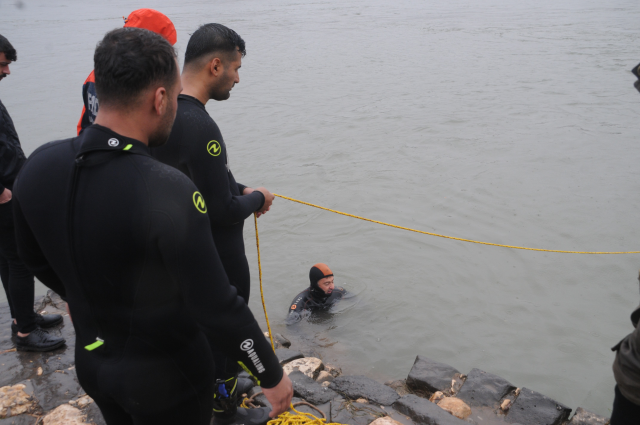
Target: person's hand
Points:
(279, 396)
(5, 196)
(268, 200)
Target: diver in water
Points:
(321, 293)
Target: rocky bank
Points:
(42, 388)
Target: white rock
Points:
(362, 401)
(324, 376)
(64, 415)
(14, 401)
(310, 366)
(326, 384)
(456, 407)
(386, 420)
(505, 405)
(39, 372)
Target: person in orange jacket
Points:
(148, 19)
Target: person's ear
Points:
(161, 101)
(215, 67)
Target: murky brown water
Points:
(491, 120)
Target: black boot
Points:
(226, 410)
(38, 340)
(46, 321)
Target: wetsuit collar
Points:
(99, 138)
(192, 100)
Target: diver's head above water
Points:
(321, 280)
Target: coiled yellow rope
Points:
(300, 418)
(450, 237)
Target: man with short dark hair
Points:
(126, 240)
(16, 279)
(196, 147)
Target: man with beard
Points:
(212, 60)
(126, 241)
(321, 293)
(17, 280)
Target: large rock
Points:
(355, 413)
(484, 389)
(455, 406)
(65, 415)
(285, 355)
(428, 376)
(310, 390)
(423, 412)
(14, 400)
(355, 387)
(533, 408)
(310, 366)
(584, 417)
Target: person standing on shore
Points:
(126, 241)
(17, 280)
(196, 147)
(147, 19)
(626, 366)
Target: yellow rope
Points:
(450, 237)
(301, 418)
(266, 316)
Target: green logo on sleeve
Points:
(214, 148)
(198, 201)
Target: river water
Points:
(494, 120)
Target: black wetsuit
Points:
(196, 148)
(313, 299)
(126, 241)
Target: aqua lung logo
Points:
(214, 148)
(198, 201)
(113, 142)
(247, 345)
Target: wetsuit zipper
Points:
(72, 198)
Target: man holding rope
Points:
(196, 147)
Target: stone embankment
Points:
(43, 389)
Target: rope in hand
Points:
(450, 237)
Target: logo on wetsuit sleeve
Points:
(113, 142)
(247, 345)
(198, 201)
(214, 148)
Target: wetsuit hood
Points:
(317, 272)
